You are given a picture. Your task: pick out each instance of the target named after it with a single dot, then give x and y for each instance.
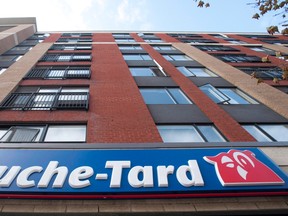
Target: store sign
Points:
(128, 172)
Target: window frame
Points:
(171, 57)
(202, 137)
(188, 71)
(223, 98)
(263, 133)
(172, 97)
(41, 136)
(139, 56)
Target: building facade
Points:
(148, 110)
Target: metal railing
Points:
(59, 73)
(65, 58)
(46, 101)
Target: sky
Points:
(138, 15)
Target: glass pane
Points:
(179, 96)
(56, 73)
(78, 72)
(179, 133)
(167, 57)
(130, 47)
(211, 134)
(256, 133)
(141, 72)
(214, 94)
(75, 90)
(180, 58)
(132, 57)
(7, 57)
(81, 57)
(2, 132)
(234, 97)
(48, 90)
(20, 48)
(185, 71)
(66, 133)
(23, 134)
(202, 72)
(146, 57)
(156, 96)
(278, 132)
(64, 58)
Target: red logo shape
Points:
(241, 168)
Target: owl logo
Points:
(242, 168)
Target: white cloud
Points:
(132, 13)
(65, 15)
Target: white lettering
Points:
(22, 179)
(133, 176)
(10, 176)
(78, 174)
(194, 170)
(117, 167)
(51, 170)
(162, 174)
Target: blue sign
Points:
(163, 171)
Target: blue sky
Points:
(138, 15)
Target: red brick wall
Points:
(230, 128)
(117, 112)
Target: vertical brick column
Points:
(118, 112)
(222, 120)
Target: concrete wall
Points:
(15, 35)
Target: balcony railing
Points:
(65, 58)
(59, 73)
(46, 101)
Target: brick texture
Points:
(222, 120)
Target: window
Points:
(146, 71)
(226, 95)
(234, 41)
(278, 42)
(130, 47)
(21, 48)
(215, 48)
(136, 57)
(264, 72)
(261, 49)
(163, 47)
(189, 133)
(7, 58)
(77, 35)
(268, 132)
(153, 40)
(71, 47)
(124, 40)
(238, 58)
(43, 133)
(196, 72)
(47, 98)
(66, 57)
(74, 40)
(185, 35)
(121, 35)
(259, 36)
(164, 96)
(175, 57)
(59, 73)
(196, 41)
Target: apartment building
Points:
(131, 123)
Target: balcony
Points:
(46, 101)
